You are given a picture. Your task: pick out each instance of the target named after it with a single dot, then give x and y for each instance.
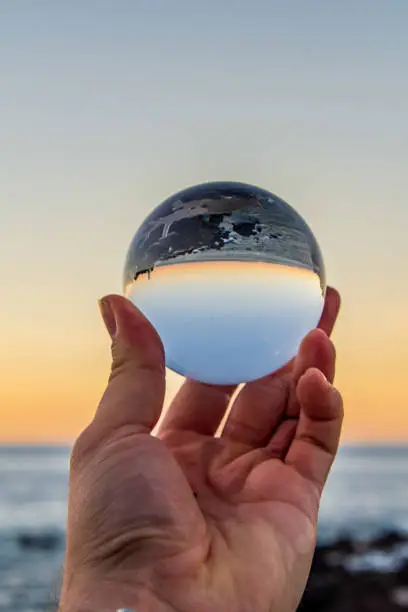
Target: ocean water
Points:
(367, 493)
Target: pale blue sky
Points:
(108, 107)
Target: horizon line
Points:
(68, 444)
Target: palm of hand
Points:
(226, 523)
(252, 529)
(232, 534)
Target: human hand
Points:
(186, 521)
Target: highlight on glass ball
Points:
(232, 279)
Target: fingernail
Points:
(322, 377)
(326, 383)
(108, 316)
(317, 373)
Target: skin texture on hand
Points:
(185, 520)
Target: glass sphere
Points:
(231, 277)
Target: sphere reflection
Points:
(231, 277)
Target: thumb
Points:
(135, 392)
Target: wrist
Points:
(94, 605)
(113, 597)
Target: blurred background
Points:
(107, 107)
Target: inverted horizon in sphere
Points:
(229, 322)
(215, 269)
(223, 221)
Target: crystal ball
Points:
(231, 277)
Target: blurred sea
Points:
(367, 493)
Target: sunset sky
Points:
(108, 107)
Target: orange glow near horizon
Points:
(54, 374)
(222, 267)
(218, 270)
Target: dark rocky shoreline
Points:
(359, 576)
(347, 575)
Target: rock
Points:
(344, 545)
(399, 596)
(389, 540)
(334, 587)
(401, 577)
(39, 541)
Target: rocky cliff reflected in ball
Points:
(231, 277)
